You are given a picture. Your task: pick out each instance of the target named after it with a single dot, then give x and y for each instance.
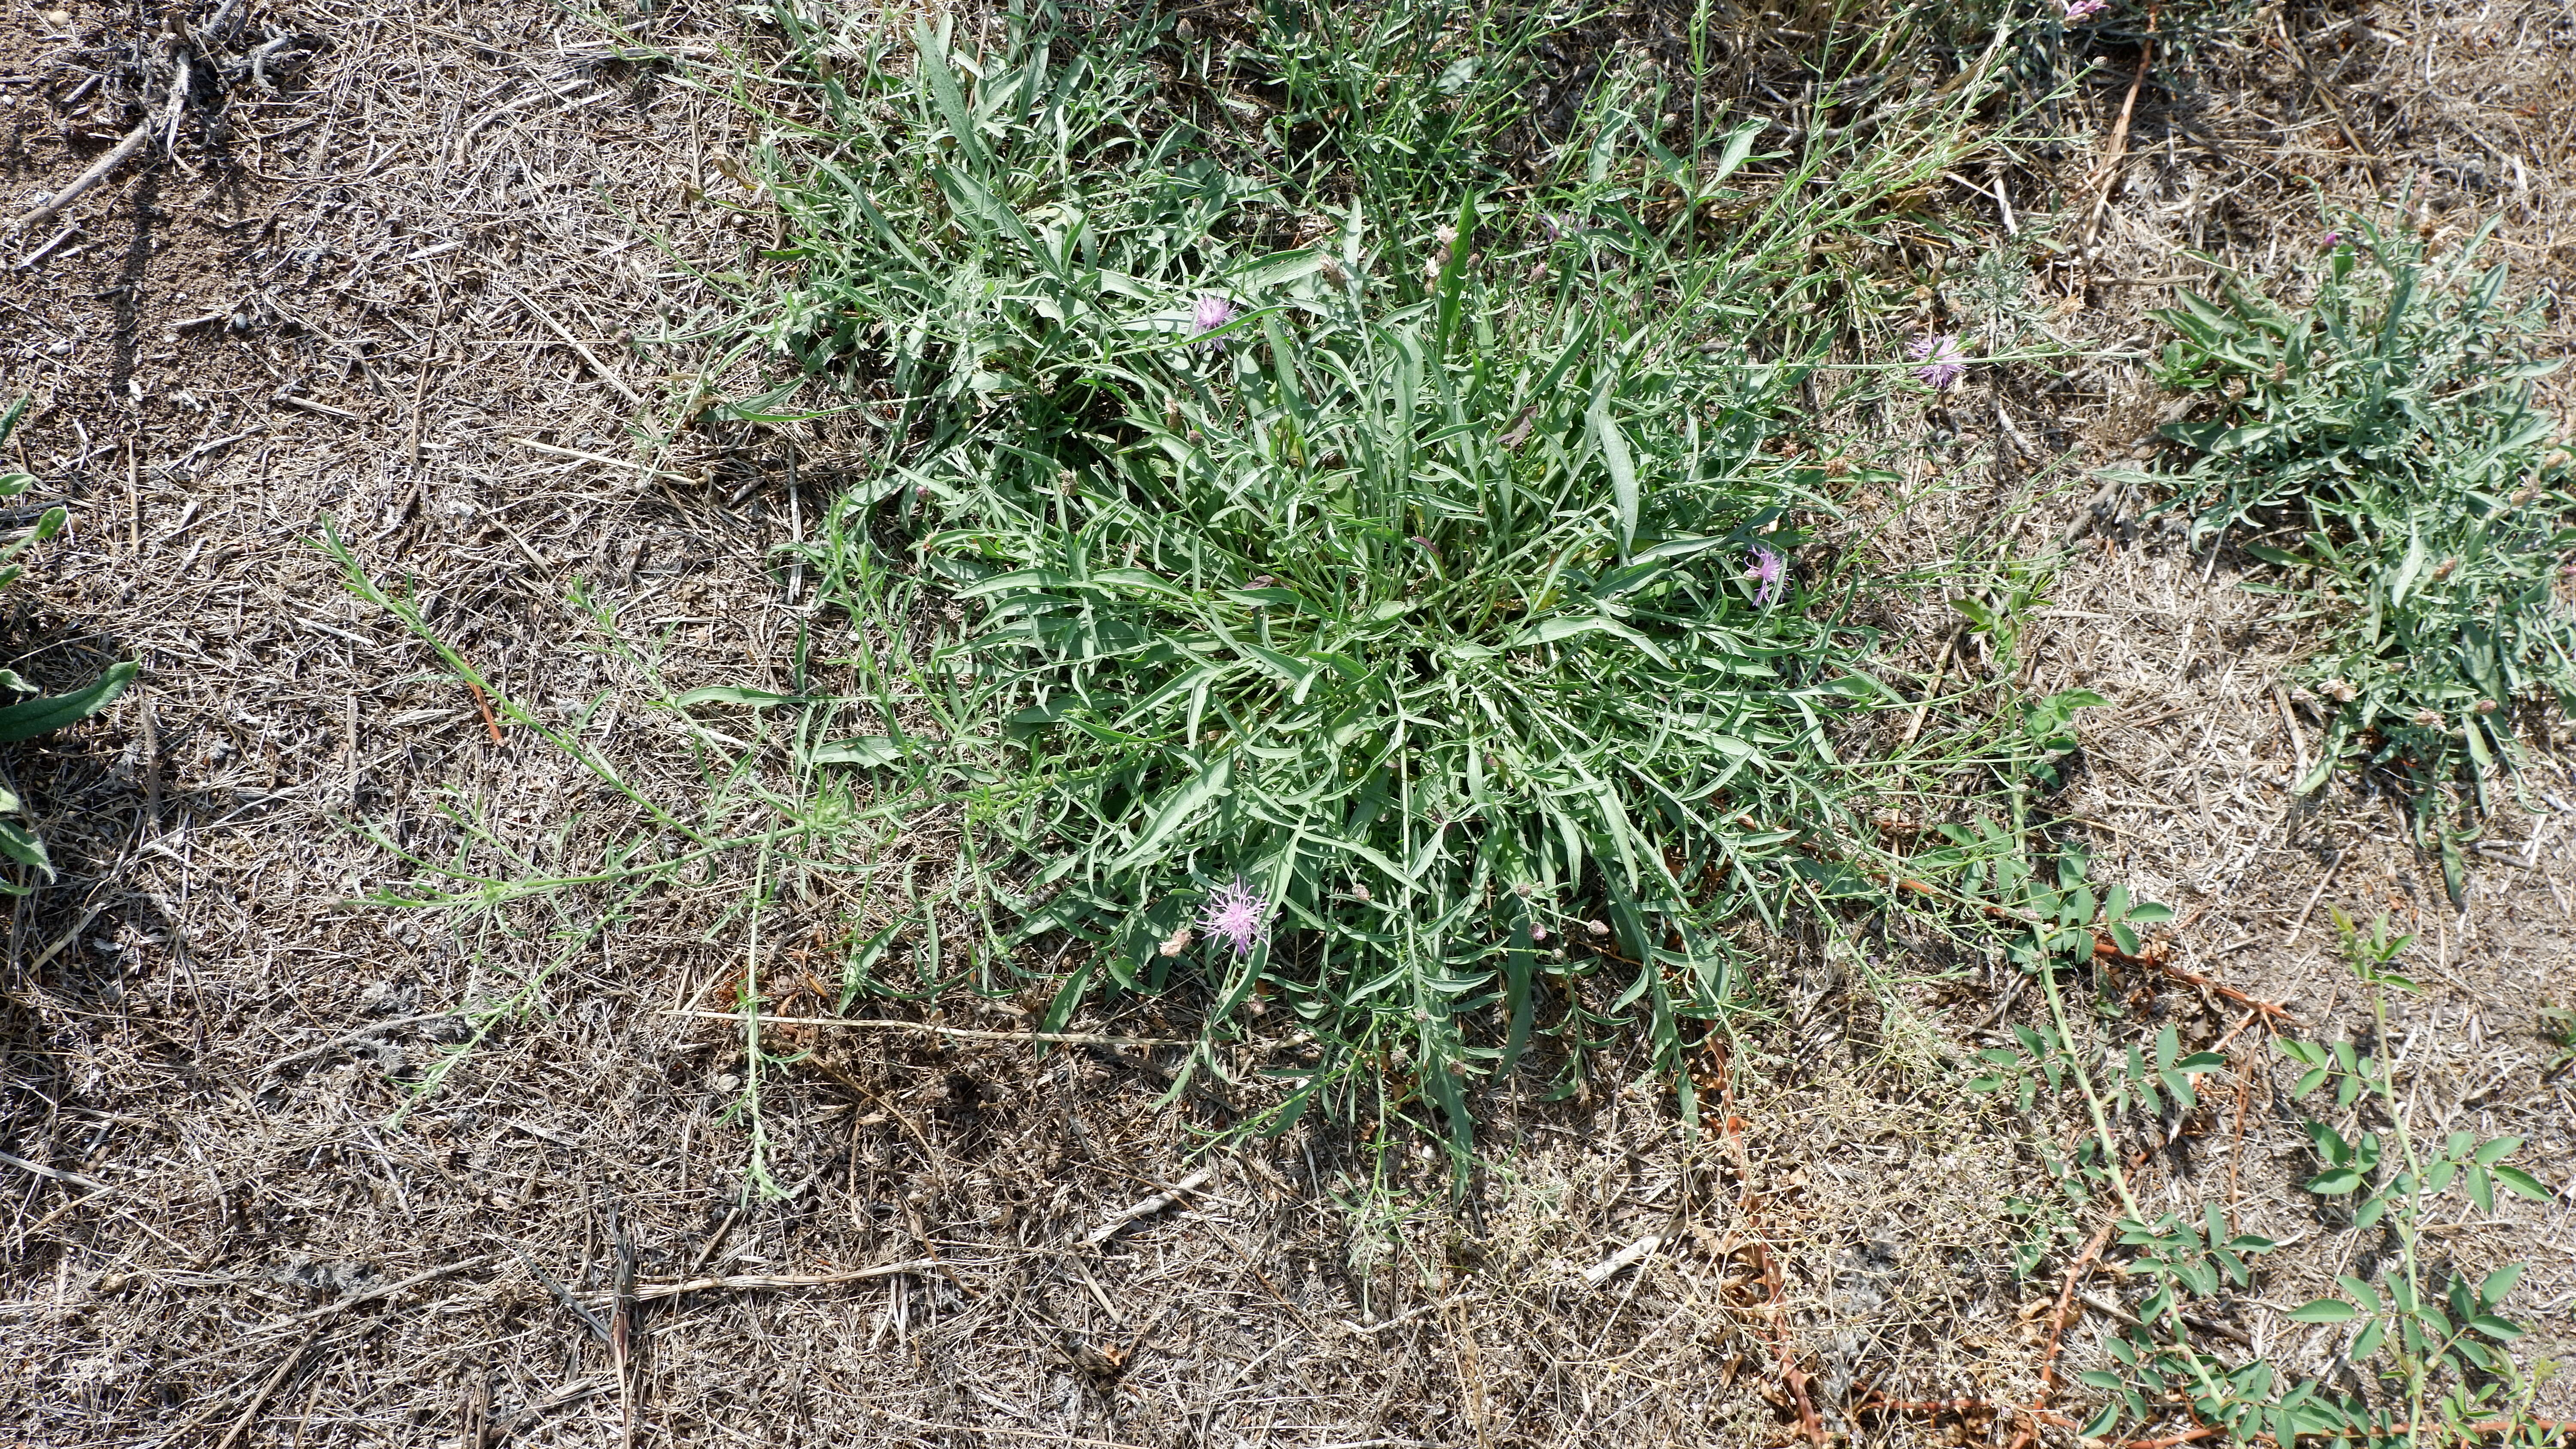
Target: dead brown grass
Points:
(357, 301)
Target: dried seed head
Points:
(2443, 569)
(2428, 719)
(1333, 271)
(2486, 706)
(1598, 928)
(2337, 689)
(1522, 890)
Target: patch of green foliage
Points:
(2428, 1339)
(2382, 441)
(1429, 578)
(45, 713)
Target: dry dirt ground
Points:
(398, 295)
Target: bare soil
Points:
(396, 298)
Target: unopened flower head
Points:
(1943, 363)
(1211, 313)
(2333, 239)
(1237, 915)
(2079, 11)
(1768, 568)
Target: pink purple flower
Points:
(1236, 914)
(1769, 568)
(2079, 11)
(1211, 313)
(1943, 363)
(2333, 239)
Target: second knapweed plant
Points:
(2383, 449)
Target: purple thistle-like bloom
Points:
(1211, 313)
(2333, 239)
(1237, 914)
(1943, 363)
(2079, 11)
(1769, 568)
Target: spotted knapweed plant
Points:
(1394, 664)
(2382, 448)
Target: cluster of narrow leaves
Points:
(1406, 640)
(1459, 620)
(2383, 442)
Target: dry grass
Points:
(202, 1043)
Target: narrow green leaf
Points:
(1614, 456)
(29, 718)
(945, 94)
(736, 694)
(2497, 1151)
(1739, 145)
(2499, 1329)
(2520, 1182)
(864, 751)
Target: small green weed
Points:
(2558, 1029)
(2428, 1337)
(45, 713)
(2382, 442)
